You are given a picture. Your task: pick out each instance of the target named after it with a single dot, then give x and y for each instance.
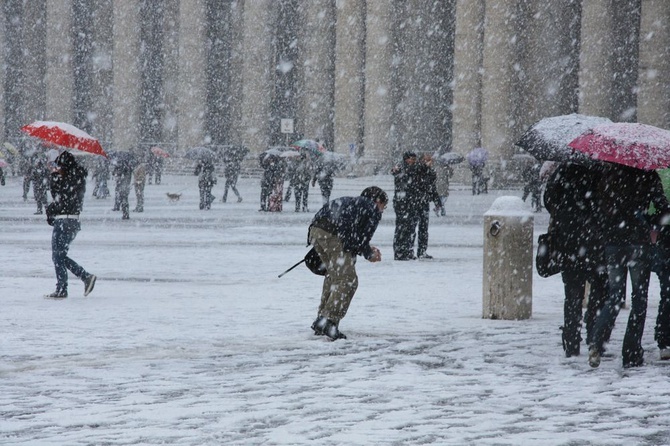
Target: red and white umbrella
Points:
(159, 152)
(631, 144)
(65, 135)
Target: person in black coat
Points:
(571, 199)
(340, 231)
(625, 196)
(427, 185)
(206, 181)
(123, 173)
(407, 206)
(68, 186)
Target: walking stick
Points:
(291, 268)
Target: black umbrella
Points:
(548, 139)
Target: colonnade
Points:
(374, 75)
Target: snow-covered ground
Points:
(189, 338)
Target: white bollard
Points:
(508, 260)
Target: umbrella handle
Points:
(291, 268)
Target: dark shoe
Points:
(239, 199)
(332, 331)
(116, 209)
(138, 210)
(407, 257)
(89, 283)
(594, 357)
(425, 256)
(58, 294)
(125, 217)
(318, 325)
(39, 212)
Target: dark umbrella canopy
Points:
(548, 139)
(200, 154)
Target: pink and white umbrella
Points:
(3, 163)
(65, 135)
(159, 152)
(631, 144)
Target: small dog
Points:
(173, 197)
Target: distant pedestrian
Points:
(406, 205)
(139, 181)
(272, 182)
(101, 177)
(206, 181)
(427, 194)
(302, 174)
(68, 186)
(122, 172)
(532, 185)
(477, 158)
(444, 173)
(323, 174)
(40, 179)
(232, 164)
(340, 231)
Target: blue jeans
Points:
(621, 260)
(64, 232)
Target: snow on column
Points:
(102, 74)
(34, 55)
(59, 72)
(501, 54)
(508, 260)
(349, 65)
(654, 82)
(258, 80)
(318, 38)
(126, 81)
(378, 116)
(192, 75)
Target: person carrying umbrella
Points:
(572, 201)
(206, 181)
(626, 194)
(68, 186)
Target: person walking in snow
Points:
(572, 202)
(68, 186)
(427, 193)
(625, 196)
(406, 206)
(206, 181)
(340, 231)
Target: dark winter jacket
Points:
(427, 186)
(626, 194)
(353, 219)
(572, 201)
(407, 187)
(67, 187)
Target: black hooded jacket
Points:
(68, 186)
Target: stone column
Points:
(380, 142)
(102, 72)
(34, 56)
(170, 89)
(596, 69)
(551, 60)
(318, 64)
(191, 86)
(468, 65)
(654, 82)
(500, 61)
(349, 74)
(126, 77)
(2, 74)
(236, 73)
(59, 77)
(257, 85)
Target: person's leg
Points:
(662, 328)
(341, 279)
(224, 198)
(597, 297)
(616, 286)
(424, 218)
(401, 235)
(574, 284)
(63, 234)
(640, 271)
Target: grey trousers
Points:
(341, 281)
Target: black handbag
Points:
(314, 263)
(547, 259)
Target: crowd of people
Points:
(609, 222)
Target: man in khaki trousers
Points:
(340, 231)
